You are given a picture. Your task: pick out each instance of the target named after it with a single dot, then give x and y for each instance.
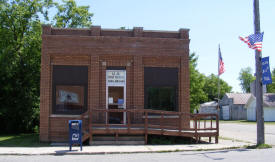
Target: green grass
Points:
(245, 122)
(261, 146)
(240, 121)
(21, 140)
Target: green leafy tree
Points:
(203, 88)
(211, 87)
(271, 87)
(69, 15)
(20, 52)
(197, 82)
(246, 77)
(20, 46)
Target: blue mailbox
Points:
(75, 130)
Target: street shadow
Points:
(209, 153)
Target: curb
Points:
(114, 152)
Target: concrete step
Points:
(117, 143)
(120, 138)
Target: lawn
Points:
(238, 121)
(245, 122)
(21, 140)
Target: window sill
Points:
(64, 116)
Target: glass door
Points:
(116, 95)
(116, 101)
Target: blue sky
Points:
(211, 22)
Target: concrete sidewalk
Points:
(116, 149)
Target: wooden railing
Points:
(205, 125)
(147, 121)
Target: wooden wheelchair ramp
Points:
(144, 122)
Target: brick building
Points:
(87, 69)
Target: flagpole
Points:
(219, 77)
(218, 87)
(218, 73)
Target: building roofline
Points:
(182, 33)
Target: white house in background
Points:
(208, 108)
(268, 106)
(232, 106)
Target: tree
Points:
(203, 88)
(211, 87)
(246, 77)
(20, 47)
(271, 87)
(69, 15)
(197, 81)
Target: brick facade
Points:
(99, 48)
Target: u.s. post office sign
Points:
(116, 77)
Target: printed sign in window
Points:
(70, 95)
(116, 77)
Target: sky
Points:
(211, 22)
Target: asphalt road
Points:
(238, 131)
(247, 132)
(241, 155)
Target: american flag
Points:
(220, 63)
(254, 41)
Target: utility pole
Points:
(259, 86)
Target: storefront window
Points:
(161, 88)
(70, 89)
(161, 98)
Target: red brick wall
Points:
(58, 127)
(98, 48)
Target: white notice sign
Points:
(116, 77)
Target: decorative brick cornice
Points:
(98, 31)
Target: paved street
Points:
(190, 156)
(228, 130)
(246, 132)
